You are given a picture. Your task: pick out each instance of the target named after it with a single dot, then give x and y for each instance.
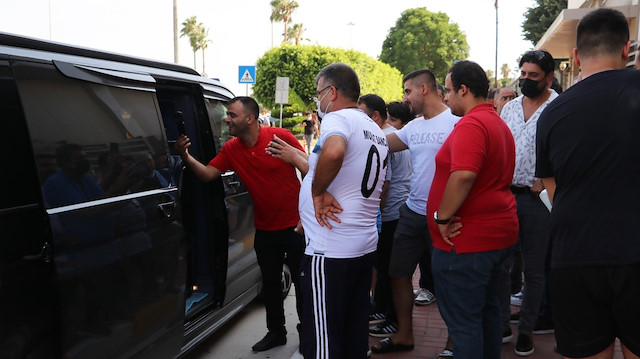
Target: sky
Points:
(241, 32)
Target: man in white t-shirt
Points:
(338, 205)
(423, 137)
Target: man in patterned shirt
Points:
(521, 115)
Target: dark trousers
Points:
(383, 296)
(273, 249)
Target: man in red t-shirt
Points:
(275, 205)
(472, 215)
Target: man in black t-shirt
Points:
(587, 157)
(310, 128)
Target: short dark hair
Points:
(602, 31)
(541, 58)
(470, 74)
(422, 76)
(399, 110)
(249, 105)
(343, 78)
(374, 103)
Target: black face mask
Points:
(531, 88)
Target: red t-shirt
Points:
(482, 143)
(272, 183)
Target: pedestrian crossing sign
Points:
(247, 74)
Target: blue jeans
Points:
(467, 286)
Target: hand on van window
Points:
(182, 144)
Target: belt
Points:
(519, 190)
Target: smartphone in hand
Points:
(181, 127)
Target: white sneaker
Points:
(516, 299)
(425, 297)
(416, 292)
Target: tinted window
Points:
(217, 113)
(99, 141)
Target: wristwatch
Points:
(440, 221)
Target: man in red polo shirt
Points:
(472, 215)
(275, 209)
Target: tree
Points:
(489, 74)
(539, 18)
(202, 41)
(296, 32)
(423, 39)
(189, 28)
(197, 34)
(281, 10)
(505, 70)
(302, 63)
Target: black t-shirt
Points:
(308, 129)
(589, 140)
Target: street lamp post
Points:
(495, 74)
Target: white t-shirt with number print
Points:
(357, 187)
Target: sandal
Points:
(387, 346)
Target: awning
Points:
(560, 37)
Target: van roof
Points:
(23, 46)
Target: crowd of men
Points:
(456, 182)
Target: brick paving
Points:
(430, 334)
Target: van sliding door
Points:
(118, 244)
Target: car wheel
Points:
(286, 281)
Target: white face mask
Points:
(318, 102)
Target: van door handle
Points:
(167, 208)
(45, 255)
(234, 183)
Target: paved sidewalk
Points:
(430, 335)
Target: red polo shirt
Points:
(272, 183)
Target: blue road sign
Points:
(247, 74)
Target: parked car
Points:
(109, 247)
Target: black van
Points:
(109, 248)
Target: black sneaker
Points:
(543, 326)
(376, 318)
(514, 318)
(384, 329)
(524, 345)
(272, 339)
(507, 335)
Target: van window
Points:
(104, 140)
(217, 112)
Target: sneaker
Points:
(272, 339)
(543, 326)
(507, 335)
(514, 318)
(425, 297)
(524, 345)
(516, 299)
(376, 318)
(384, 329)
(416, 292)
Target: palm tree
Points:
(296, 32)
(202, 41)
(281, 10)
(189, 29)
(505, 69)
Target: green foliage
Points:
(301, 64)
(539, 18)
(295, 105)
(423, 39)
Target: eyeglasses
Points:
(319, 92)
